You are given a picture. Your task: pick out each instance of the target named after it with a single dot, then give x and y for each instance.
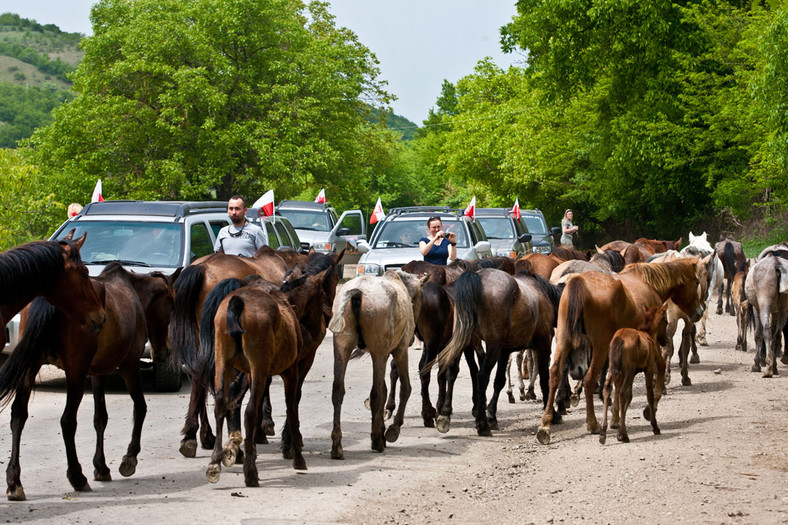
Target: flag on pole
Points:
(321, 197)
(265, 204)
(470, 211)
(97, 196)
(377, 213)
(516, 209)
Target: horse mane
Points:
(36, 265)
(664, 276)
(567, 254)
(612, 257)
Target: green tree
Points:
(204, 99)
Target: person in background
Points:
(73, 209)
(439, 246)
(241, 237)
(567, 228)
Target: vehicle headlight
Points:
(323, 247)
(506, 253)
(545, 248)
(368, 269)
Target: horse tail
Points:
(729, 259)
(576, 295)
(183, 325)
(750, 317)
(234, 312)
(201, 362)
(615, 356)
(468, 293)
(28, 356)
(337, 323)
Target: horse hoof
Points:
(685, 381)
(386, 414)
(212, 472)
(299, 464)
(702, 340)
(268, 429)
(494, 425)
(379, 444)
(79, 482)
(128, 466)
(623, 438)
(784, 359)
(252, 480)
(719, 310)
(17, 494)
(543, 435)
(602, 438)
(392, 433)
(443, 424)
(102, 476)
(484, 432)
(260, 438)
(574, 400)
(367, 405)
(738, 348)
(756, 368)
(511, 397)
(228, 457)
(767, 373)
(429, 422)
(530, 396)
(657, 431)
(337, 453)
(694, 359)
(189, 448)
(207, 442)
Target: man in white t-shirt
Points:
(241, 237)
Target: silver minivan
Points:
(395, 241)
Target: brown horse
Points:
(594, 305)
(53, 270)
(655, 246)
(740, 304)
(632, 253)
(632, 351)
(377, 315)
(509, 313)
(137, 308)
(729, 252)
(541, 264)
(191, 289)
(259, 332)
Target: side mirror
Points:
(524, 238)
(555, 230)
(363, 246)
(343, 231)
(483, 247)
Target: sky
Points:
(418, 43)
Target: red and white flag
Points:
(516, 209)
(470, 211)
(321, 197)
(265, 204)
(97, 196)
(377, 213)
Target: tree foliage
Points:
(202, 99)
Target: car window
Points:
(397, 234)
(535, 225)
(456, 227)
(496, 227)
(353, 223)
(307, 220)
(218, 225)
(521, 226)
(273, 239)
(200, 240)
(281, 232)
(292, 235)
(134, 243)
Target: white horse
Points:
(700, 245)
(766, 287)
(378, 316)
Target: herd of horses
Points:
(232, 323)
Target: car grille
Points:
(393, 266)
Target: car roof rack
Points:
(304, 205)
(153, 208)
(426, 210)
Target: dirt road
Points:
(722, 458)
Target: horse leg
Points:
(256, 389)
(219, 413)
(519, 358)
(267, 425)
(758, 336)
(784, 359)
(509, 384)
(471, 355)
(446, 381)
(134, 386)
(686, 339)
(553, 379)
(651, 403)
(191, 425)
(668, 349)
(702, 326)
(728, 304)
(19, 414)
(606, 391)
(428, 412)
(233, 454)
(625, 398)
(483, 380)
(720, 294)
(532, 374)
(377, 396)
(391, 403)
(75, 389)
(294, 451)
(695, 359)
(498, 384)
(100, 469)
(337, 396)
(401, 360)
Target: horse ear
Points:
(339, 256)
(79, 242)
(677, 244)
(70, 236)
(598, 249)
(691, 237)
(424, 278)
(174, 275)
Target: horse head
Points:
(75, 287)
(655, 322)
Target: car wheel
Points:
(165, 378)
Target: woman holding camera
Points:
(439, 246)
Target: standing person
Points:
(567, 228)
(241, 237)
(439, 246)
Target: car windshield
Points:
(496, 227)
(535, 224)
(132, 243)
(307, 220)
(401, 234)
